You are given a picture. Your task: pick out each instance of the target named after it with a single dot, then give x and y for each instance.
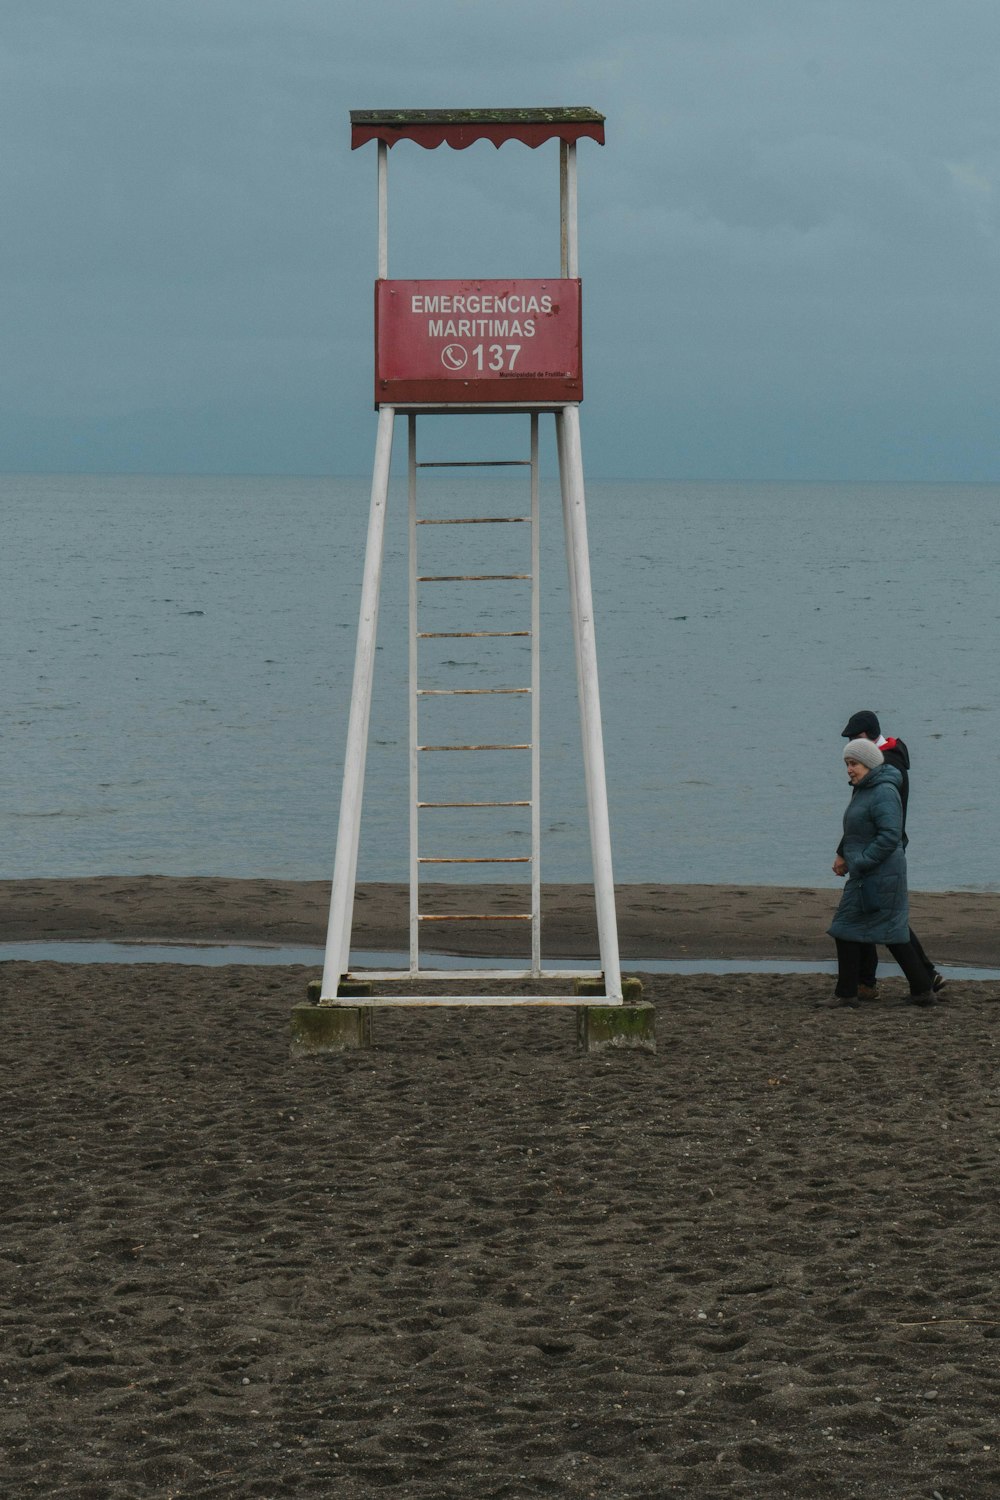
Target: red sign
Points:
(452, 342)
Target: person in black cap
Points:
(865, 725)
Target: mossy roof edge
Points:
(401, 118)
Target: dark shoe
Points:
(938, 982)
(926, 997)
(838, 1002)
(868, 991)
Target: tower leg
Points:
(582, 606)
(338, 936)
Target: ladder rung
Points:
(464, 635)
(416, 1001)
(478, 463)
(465, 692)
(476, 916)
(473, 577)
(493, 859)
(383, 976)
(473, 804)
(475, 521)
(473, 747)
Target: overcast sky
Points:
(789, 244)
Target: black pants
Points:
(849, 959)
(869, 961)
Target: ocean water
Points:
(176, 659)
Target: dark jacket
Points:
(873, 848)
(895, 753)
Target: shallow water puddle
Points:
(210, 956)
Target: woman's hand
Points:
(839, 865)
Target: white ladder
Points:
(418, 749)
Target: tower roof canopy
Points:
(460, 127)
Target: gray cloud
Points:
(790, 242)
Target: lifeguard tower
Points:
(461, 347)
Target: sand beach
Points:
(474, 1262)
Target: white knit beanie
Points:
(866, 751)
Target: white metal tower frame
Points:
(567, 423)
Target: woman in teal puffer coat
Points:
(875, 906)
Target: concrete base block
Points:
(330, 1028)
(626, 1028)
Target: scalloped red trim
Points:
(461, 136)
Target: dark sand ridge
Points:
(655, 921)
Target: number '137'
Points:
(496, 356)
